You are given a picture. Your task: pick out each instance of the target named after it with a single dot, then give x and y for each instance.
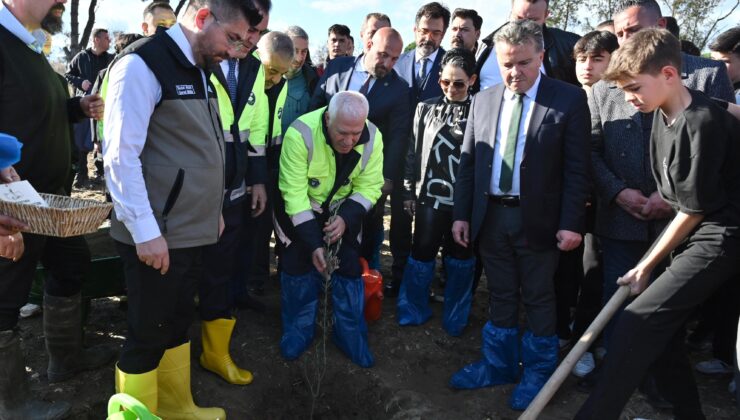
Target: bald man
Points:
(372, 74)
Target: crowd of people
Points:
(560, 166)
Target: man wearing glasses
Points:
(164, 163)
(420, 69)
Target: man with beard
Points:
(465, 29)
(163, 121)
(372, 74)
(301, 78)
(420, 69)
(81, 73)
(35, 107)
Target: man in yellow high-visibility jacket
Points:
(331, 173)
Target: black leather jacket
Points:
(559, 61)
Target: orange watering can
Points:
(373, 281)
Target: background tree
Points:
(77, 43)
(564, 14)
(700, 20)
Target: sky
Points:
(315, 16)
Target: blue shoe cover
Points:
(298, 301)
(350, 329)
(413, 296)
(500, 363)
(458, 294)
(540, 359)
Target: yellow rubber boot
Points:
(175, 397)
(216, 358)
(142, 386)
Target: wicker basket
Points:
(65, 216)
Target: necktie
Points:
(231, 80)
(423, 70)
(366, 86)
(507, 165)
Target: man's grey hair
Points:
(349, 104)
(275, 42)
(520, 32)
(296, 32)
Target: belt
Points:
(505, 200)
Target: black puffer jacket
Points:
(559, 61)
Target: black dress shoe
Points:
(248, 302)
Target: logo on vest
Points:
(183, 90)
(252, 99)
(280, 113)
(314, 183)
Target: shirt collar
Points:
(431, 57)
(360, 64)
(12, 24)
(531, 93)
(177, 35)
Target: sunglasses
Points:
(457, 84)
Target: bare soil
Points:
(408, 381)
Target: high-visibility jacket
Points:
(277, 118)
(245, 132)
(308, 170)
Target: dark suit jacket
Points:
(406, 68)
(554, 169)
(620, 147)
(389, 109)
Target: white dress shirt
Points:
(430, 62)
(502, 131)
(359, 75)
(35, 40)
(133, 92)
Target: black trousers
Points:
(260, 230)
(651, 329)
(219, 263)
(515, 271)
(66, 259)
(591, 288)
(400, 232)
(433, 228)
(160, 307)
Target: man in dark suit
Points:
(521, 193)
(420, 69)
(372, 74)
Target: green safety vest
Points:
(308, 169)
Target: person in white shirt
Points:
(164, 164)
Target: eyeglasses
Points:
(457, 84)
(235, 41)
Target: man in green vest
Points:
(331, 173)
(276, 51)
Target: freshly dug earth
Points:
(408, 381)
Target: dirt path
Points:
(409, 380)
